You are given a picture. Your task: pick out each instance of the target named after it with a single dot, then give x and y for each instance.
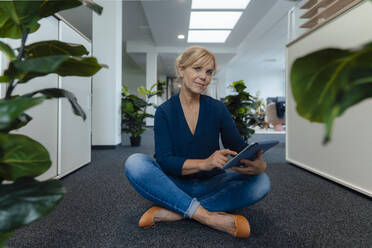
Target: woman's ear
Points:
(180, 71)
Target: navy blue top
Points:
(174, 142)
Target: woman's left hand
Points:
(252, 167)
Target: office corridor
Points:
(101, 209)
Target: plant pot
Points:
(135, 140)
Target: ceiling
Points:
(152, 26)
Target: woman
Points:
(187, 181)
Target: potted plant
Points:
(241, 107)
(161, 86)
(257, 116)
(134, 113)
(23, 199)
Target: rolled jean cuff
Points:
(192, 208)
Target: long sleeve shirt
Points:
(174, 142)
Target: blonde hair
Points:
(195, 55)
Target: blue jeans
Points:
(227, 191)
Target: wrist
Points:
(203, 164)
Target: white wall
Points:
(151, 78)
(347, 158)
(133, 75)
(270, 81)
(107, 83)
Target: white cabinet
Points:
(66, 136)
(75, 134)
(44, 126)
(347, 158)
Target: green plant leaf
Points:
(22, 13)
(125, 91)
(5, 48)
(127, 107)
(62, 65)
(327, 82)
(11, 30)
(12, 109)
(50, 7)
(58, 93)
(21, 121)
(53, 48)
(238, 86)
(21, 156)
(4, 236)
(142, 90)
(15, 14)
(4, 79)
(153, 86)
(27, 200)
(240, 107)
(4, 17)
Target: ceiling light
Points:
(221, 4)
(181, 36)
(208, 36)
(214, 19)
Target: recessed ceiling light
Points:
(181, 36)
(214, 19)
(208, 36)
(221, 4)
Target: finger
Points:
(250, 166)
(246, 162)
(221, 161)
(247, 171)
(220, 165)
(259, 154)
(228, 152)
(224, 159)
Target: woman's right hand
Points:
(217, 160)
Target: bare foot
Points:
(217, 220)
(222, 222)
(166, 215)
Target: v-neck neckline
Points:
(184, 117)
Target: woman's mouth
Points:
(199, 84)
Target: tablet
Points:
(250, 152)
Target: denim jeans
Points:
(227, 191)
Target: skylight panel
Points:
(219, 4)
(214, 19)
(208, 36)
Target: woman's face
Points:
(196, 78)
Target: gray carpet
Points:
(101, 209)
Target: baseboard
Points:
(70, 171)
(327, 176)
(105, 147)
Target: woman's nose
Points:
(203, 75)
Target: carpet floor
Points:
(101, 209)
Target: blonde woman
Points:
(186, 180)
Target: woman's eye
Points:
(197, 68)
(209, 73)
